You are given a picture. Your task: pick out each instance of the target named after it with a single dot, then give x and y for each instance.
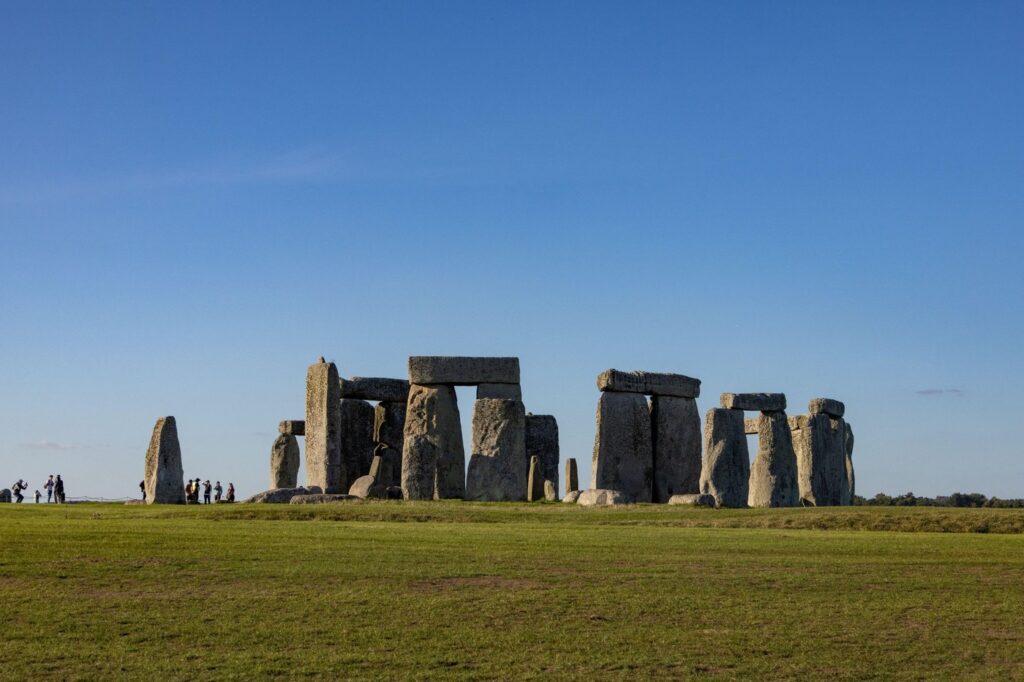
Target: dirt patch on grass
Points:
(486, 581)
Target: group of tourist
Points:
(54, 490)
(193, 488)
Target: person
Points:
(17, 488)
(39, 496)
(207, 488)
(49, 489)
(58, 490)
(231, 491)
(195, 491)
(217, 489)
(142, 487)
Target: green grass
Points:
(456, 590)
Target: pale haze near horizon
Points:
(197, 201)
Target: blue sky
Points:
(198, 199)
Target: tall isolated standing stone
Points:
(164, 478)
(725, 473)
(356, 438)
(623, 455)
(284, 462)
(542, 441)
(572, 480)
(498, 464)
(433, 456)
(324, 466)
(773, 475)
(676, 441)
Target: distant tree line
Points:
(954, 500)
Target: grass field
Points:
(457, 590)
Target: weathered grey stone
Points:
(498, 465)
(598, 497)
(282, 495)
(693, 500)
(433, 458)
(821, 461)
(797, 422)
(550, 492)
(388, 427)
(165, 481)
(623, 455)
(394, 492)
(571, 497)
(375, 388)
(356, 438)
(322, 499)
(832, 408)
(676, 442)
(500, 391)
(572, 479)
(649, 383)
(762, 402)
(324, 466)
(752, 426)
(851, 479)
(542, 441)
(292, 427)
(535, 481)
(367, 487)
(462, 371)
(725, 472)
(5, 496)
(284, 462)
(773, 475)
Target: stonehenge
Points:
(542, 441)
(164, 478)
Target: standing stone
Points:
(851, 479)
(356, 438)
(676, 440)
(284, 462)
(501, 391)
(165, 483)
(837, 459)
(535, 481)
(432, 445)
(623, 455)
(388, 425)
(324, 466)
(820, 445)
(542, 441)
(773, 475)
(725, 473)
(498, 465)
(572, 479)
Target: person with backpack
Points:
(49, 489)
(217, 489)
(58, 490)
(17, 488)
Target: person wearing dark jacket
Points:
(58, 490)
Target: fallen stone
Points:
(322, 499)
(851, 479)
(375, 388)
(752, 426)
(599, 497)
(693, 500)
(725, 472)
(773, 475)
(572, 480)
(356, 438)
(676, 443)
(542, 441)
(500, 391)
(282, 495)
(433, 457)
(832, 408)
(648, 383)
(462, 371)
(388, 427)
(623, 455)
(761, 402)
(535, 481)
(367, 487)
(292, 427)
(284, 462)
(571, 497)
(164, 478)
(498, 469)
(324, 466)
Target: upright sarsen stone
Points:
(164, 478)
(725, 472)
(676, 440)
(851, 479)
(388, 428)
(498, 465)
(356, 438)
(535, 481)
(773, 475)
(572, 481)
(324, 466)
(432, 445)
(623, 455)
(284, 462)
(820, 445)
(542, 441)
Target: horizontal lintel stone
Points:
(832, 408)
(292, 427)
(762, 402)
(462, 371)
(648, 383)
(375, 388)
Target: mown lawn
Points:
(455, 590)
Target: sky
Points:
(198, 199)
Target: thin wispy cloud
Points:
(940, 391)
(288, 168)
(61, 446)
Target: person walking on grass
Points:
(58, 490)
(207, 488)
(142, 487)
(217, 489)
(49, 489)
